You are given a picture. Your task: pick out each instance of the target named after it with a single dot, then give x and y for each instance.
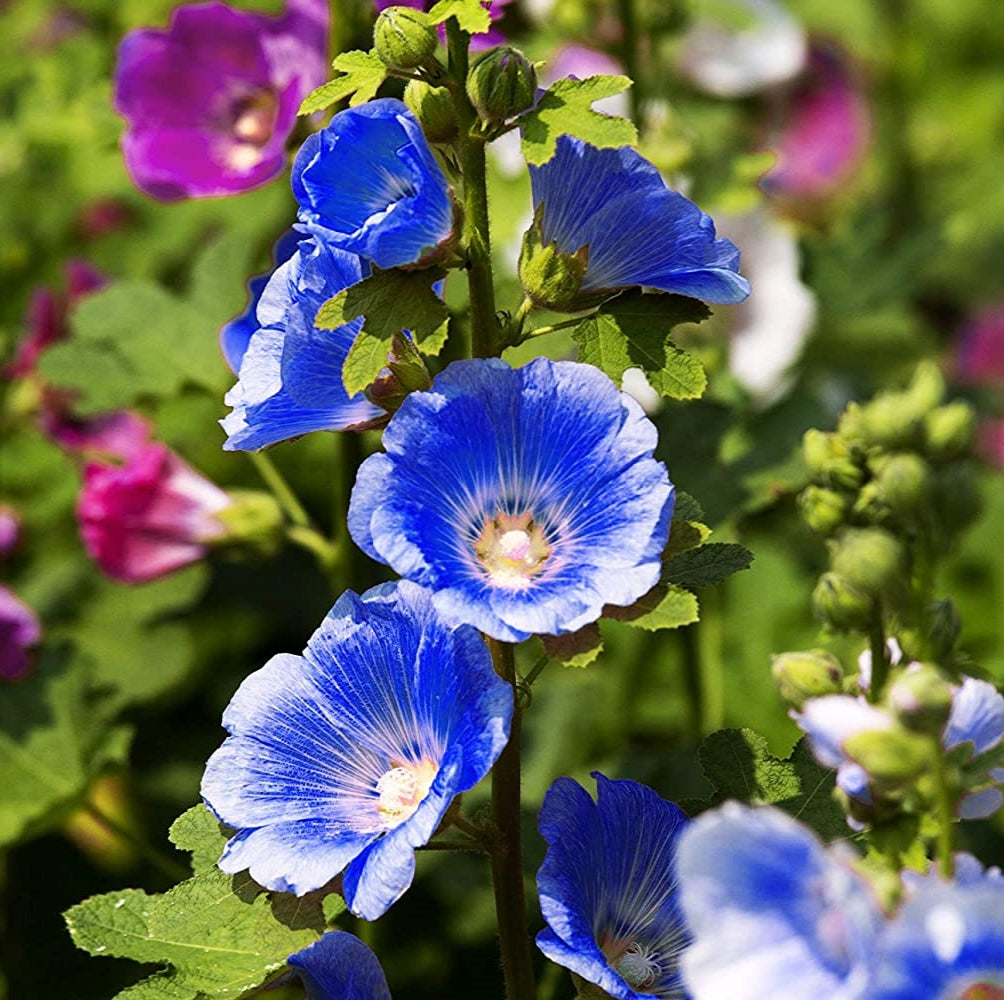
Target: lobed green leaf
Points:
(472, 15)
(361, 76)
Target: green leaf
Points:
(632, 331)
(55, 736)
(661, 608)
(687, 508)
(217, 935)
(565, 109)
(471, 15)
(740, 766)
(390, 301)
(362, 74)
(575, 649)
(707, 565)
(684, 535)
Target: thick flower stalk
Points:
(608, 887)
(610, 214)
(524, 499)
(347, 758)
(211, 100)
(290, 376)
(338, 966)
(149, 515)
(773, 913)
(369, 184)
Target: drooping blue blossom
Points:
(525, 499)
(638, 231)
(338, 966)
(773, 913)
(235, 335)
(608, 887)
(347, 758)
(370, 184)
(290, 377)
(947, 940)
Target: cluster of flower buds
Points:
(891, 489)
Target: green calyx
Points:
(501, 85)
(550, 277)
(404, 38)
(804, 675)
(434, 109)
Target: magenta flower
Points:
(212, 99)
(826, 133)
(19, 631)
(148, 516)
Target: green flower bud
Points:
(823, 510)
(903, 482)
(403, 38)
(405, 373)
(502, 84)
(883, 423)
(550, 278)
(838, 603)
(956, 497)
(810, 674)
(949, 430)
(434, 109)
(893, 758)
(921, 699)
(869, 558)
(830, 461)
(254, 520)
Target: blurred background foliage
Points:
(123, 706)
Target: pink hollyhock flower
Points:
(46, 321)
(826, 132)
(148, 516)
(19, 631)
(211, 100)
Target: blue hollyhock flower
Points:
(347, 758)
(525, 499)
(370, 184)
(338, 966)
(608, 887)
(947, 940)
(290, 377)
(773, 913)
(636, 230)
(236, 334)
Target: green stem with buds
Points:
(945, 814)
(880, 661)
(507, 855)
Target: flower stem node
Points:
(922, 700)
(552, 278)
(949, 430)
(824, 510)
(501, 85)
(871, 559)
(403, 38)
(893, 758)
(830, 461)
(841, 605)
(434, 109)
(254, 519)
(809, 674)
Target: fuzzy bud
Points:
(434, 109)
(405, 373)
(903, 482)
(550, 278)
(403, 38)
(921, 699)
(502, 84)
(830, 462)
(809, 674)
(949, 430)
(838, 603)
(893, 758)
(823, 510)
(869, 558)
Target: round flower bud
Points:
(809, 674)
(869, 558)
(830, 462)
(893, 758)
(903, 482)
(838, 603)
(550, 278)
(949, 430)
(403, 38)
(883, 423)
(502, 84)
(434, 109)
(824, 510)
(921, 699)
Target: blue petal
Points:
(339, 966)
(556, 439)
(370, 185)
(638, 231)
(977, 717)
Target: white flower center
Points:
(638, 966)
(512, 549)
(402, 788)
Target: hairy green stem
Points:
(281, 490)
(507, 857)
(537, 669)
(629, 56)
(880, 661)
(471, 152)
(165, 865)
